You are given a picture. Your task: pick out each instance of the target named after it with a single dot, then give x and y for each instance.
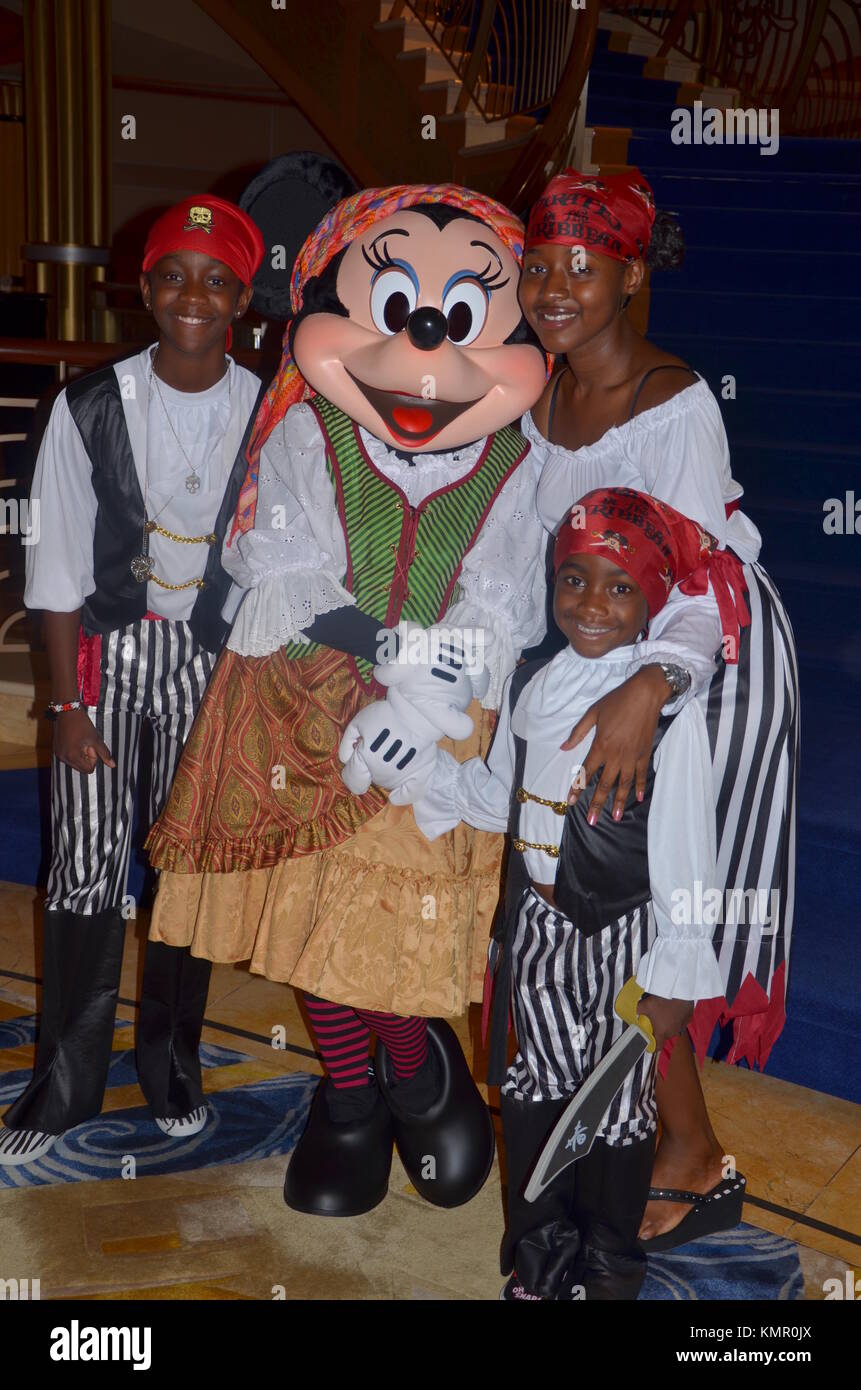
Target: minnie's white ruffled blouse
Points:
(294, 560)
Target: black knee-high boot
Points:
(173, 1002)
(611, 1185)
(82, 960)
(542, 1240)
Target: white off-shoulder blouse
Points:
(678, 452)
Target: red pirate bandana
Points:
(611, 215)
(658, 548)
(213, 225)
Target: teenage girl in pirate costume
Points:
(385, 486)
(587, 909)
(621, 412)
(137, 479)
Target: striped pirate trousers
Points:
(752, 713)
(564, 985)
(152, 672)
(564, 988)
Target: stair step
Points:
(759, 226)
(654, 148)
(735, 268)
(494, 99)
(609, 110)
(787, 414)
(436, 67)
(468, 130)
(792, 473)
(746, 313)
(780, 191)
(765, 362)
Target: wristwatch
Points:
(678, 679)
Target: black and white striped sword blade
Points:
(574, 1133)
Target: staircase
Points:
(769, 295)
(403, 95)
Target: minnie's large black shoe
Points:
(446, 1147)
(340, 1169)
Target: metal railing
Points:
(526, 58)
(802, 56)
(510, 55)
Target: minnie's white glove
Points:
(391, 744)
(438, 672)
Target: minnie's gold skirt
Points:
(370, 914)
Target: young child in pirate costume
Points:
(396, 493)
(589, 906)
(137, 479)
(622, 412)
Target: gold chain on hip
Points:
(552, 850)
(560, 807)
(189, 583)
(211, 539)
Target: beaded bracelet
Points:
(57, 708)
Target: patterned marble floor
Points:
(225, 1232)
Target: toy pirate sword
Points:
(574, 1133)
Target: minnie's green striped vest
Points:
(403, 561)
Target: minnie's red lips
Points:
(412, 419)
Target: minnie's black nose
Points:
(427, 327)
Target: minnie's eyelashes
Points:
(489, 278)
(378, 258)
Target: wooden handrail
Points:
(477, 58)
(528, 176)
(51, 352)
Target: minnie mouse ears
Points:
(287, 199)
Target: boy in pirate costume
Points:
(386, 485)
(137, 479)
(589, 905)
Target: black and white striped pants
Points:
(152, 671)
(752, 713)
(564, 985)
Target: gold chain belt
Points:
(189, 583)
(560, 807)
(552, 850)
(211, 539)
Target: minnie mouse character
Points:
(386, 492)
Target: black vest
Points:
(603, 869)
(118, 599)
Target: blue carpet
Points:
(264, 1118)
(743, 1263)
(250, 1121)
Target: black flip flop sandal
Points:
(717, 1210)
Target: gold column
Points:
(39, 126)
(67, 94)
(97, 78)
